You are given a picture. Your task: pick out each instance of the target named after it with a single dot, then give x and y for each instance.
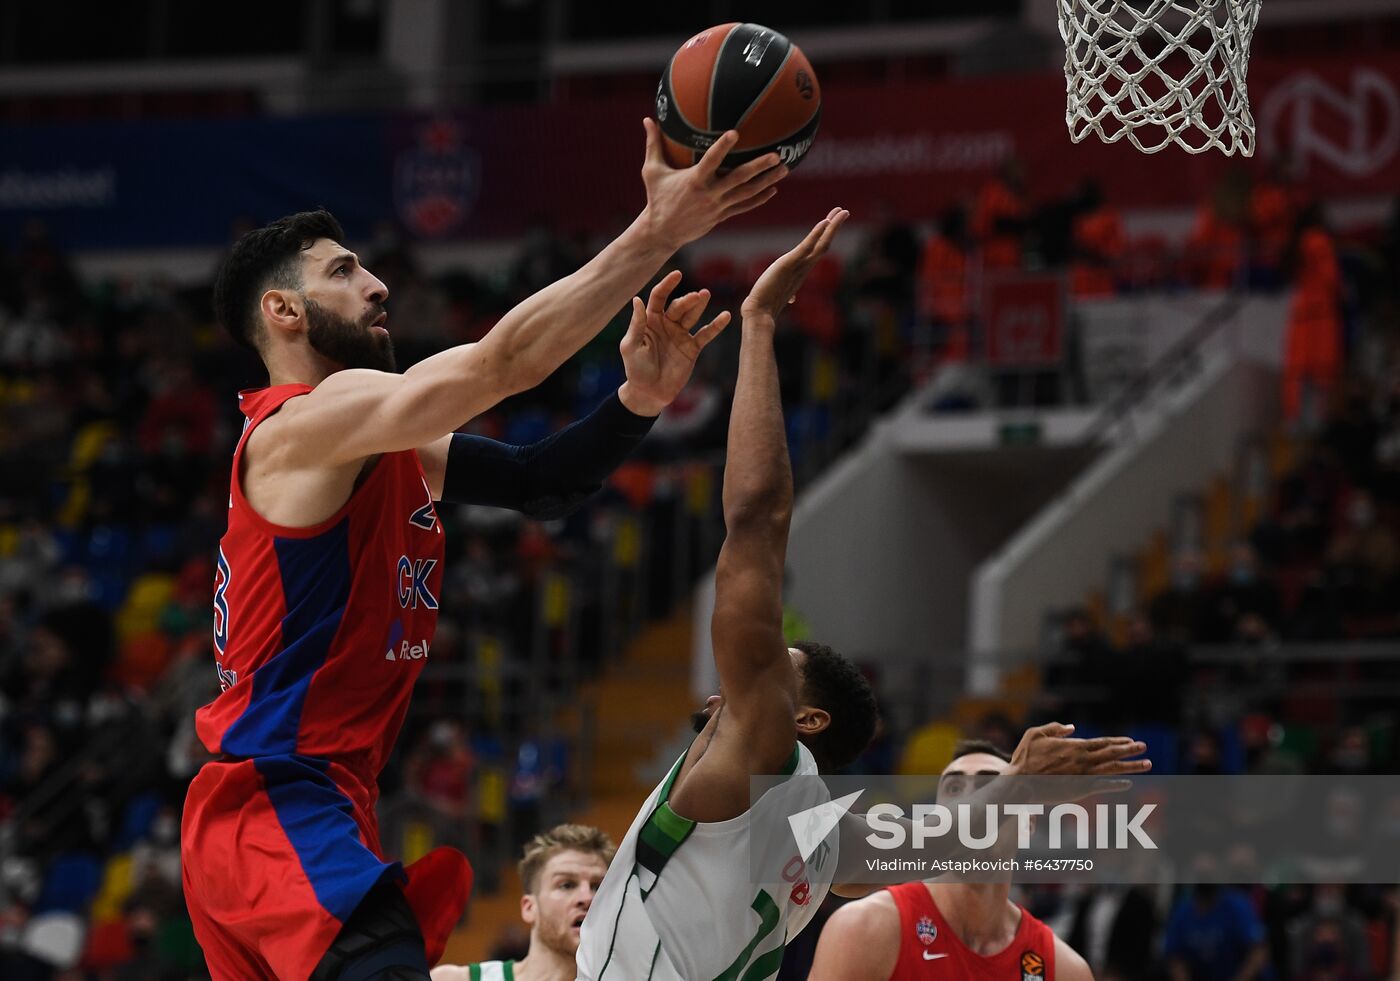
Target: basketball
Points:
(744, 77)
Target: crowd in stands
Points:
(118, 416)
(1198, 673)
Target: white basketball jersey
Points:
(687, 901)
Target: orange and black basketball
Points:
(744, 77)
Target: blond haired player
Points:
(559, 873)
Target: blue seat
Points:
(69, 884)
(1163, 746)
(137, 818)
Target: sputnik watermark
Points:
(1155, 829)
(1110, 825)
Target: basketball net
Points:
(1160, 72)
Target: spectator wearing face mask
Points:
(1245, 606)
(1179, 613)
(1077, 678)
(1352, 752)
(1146, 680)
(1329, 942)
(1362, 559)
(439, 770)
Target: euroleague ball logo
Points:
(805, 88)
(663, 105)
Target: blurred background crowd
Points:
(1255, 634)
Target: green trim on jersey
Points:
(665, 830)
(768, 916)
(504, 971)
(790, 767)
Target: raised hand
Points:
(1050, 750)
(659, 350)
(683, 204)
(778, 285)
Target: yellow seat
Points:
(929, 749)
(149, 595)
(88, 444)
(116, 887)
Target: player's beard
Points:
(698, 721)
(347, 343)
(560, 938)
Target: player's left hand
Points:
(778, 285)
(659, 349)
(1052, 750)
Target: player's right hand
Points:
(1050, 750)
(683, 204)
(777, 286)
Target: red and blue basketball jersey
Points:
(319, 635)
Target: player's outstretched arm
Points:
(859, 943)
(755, 672)
(553, 476)
(548, 328)
(355, 414)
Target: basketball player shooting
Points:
(681, 899)
(934, 929)
(329, 573)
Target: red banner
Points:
(1023, 321)
(919, 148)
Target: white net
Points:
(1160, 72)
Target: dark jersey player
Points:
(328, 577)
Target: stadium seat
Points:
(137, 818)
(1163, 746)
(55, 938)
(108, 943)
(143, 658)
(528, 427)
(115, 888)
(147, 597)
(70, 882)
(929, 749)
(1300, 741)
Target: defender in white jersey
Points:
(703, 887)
(681, 900)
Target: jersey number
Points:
(227, 678)
(221, 577)
(767, 965)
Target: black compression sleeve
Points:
(550, 478)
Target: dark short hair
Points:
(266, 258)
(967, 747)
(834, 684)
